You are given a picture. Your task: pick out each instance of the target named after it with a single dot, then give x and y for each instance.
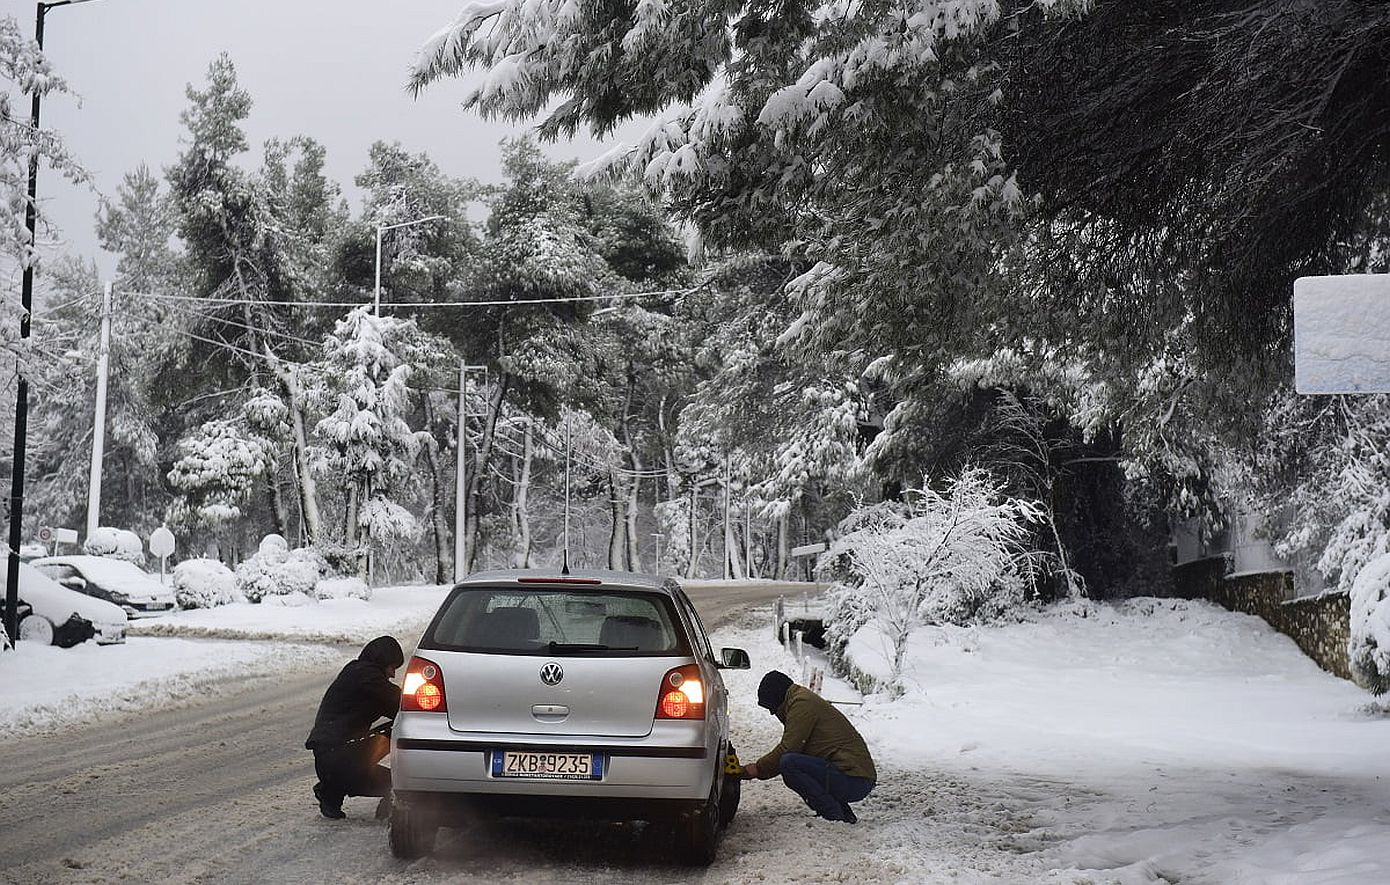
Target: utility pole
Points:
(21, 402)
(376, 287)
(99, 420)
(728, 553)
(657, 536)
(747, 535)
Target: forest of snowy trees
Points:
(859, 250)
(249, 396)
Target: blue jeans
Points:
(825, 788)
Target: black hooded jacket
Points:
(360, 695)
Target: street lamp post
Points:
(21, 405)
(381, 229)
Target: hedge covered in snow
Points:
(204, 583)
(275, 570)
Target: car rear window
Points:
(557, 621)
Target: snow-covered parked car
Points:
(125, 584)
(51, 614)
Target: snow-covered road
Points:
(1165, 743)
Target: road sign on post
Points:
(1341, 334)
(63, 536)
(162, 545)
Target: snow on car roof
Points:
(114, 574)
(57, 603)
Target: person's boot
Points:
(383, 808)
(328, 809)
(849, 816)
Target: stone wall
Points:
(1320, 625)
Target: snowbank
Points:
(400, 611)
(46, 688)
(1156, 740)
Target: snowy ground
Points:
(1157, 741)
(175, 658)
(400, 611)
(43, 688)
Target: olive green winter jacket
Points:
(812, 726)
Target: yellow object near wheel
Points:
(731, 764)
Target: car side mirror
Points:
(74, 583)
(734, 659)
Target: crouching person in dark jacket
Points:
(821, 756)
(345, 753)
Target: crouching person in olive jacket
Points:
(346, 753)
(821, 757)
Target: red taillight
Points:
(557, 580)
(422, 690)
(682, 694)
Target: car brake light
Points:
(682, 695)
(558, 580)
(423, 688)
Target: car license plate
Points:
(550, 766)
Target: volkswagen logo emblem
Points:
(551, 673)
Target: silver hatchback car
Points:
(587, 695)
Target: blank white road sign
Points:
(1341, 334)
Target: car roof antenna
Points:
(565, 563)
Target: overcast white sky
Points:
(331, 69)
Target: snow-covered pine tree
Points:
(859, 139)
(364, 380)
(216, 474)
(251, 241)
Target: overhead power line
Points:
(48, 310)
(516, 302)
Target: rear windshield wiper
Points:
(586, 646)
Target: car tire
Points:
(411, 831)
(697, 834)
(729, 796)
(37, 629)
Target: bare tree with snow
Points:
(955, 556)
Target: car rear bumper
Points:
(460, 809)
(147, 609)
(672, 764)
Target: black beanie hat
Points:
(772, 691)
(384, 651)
